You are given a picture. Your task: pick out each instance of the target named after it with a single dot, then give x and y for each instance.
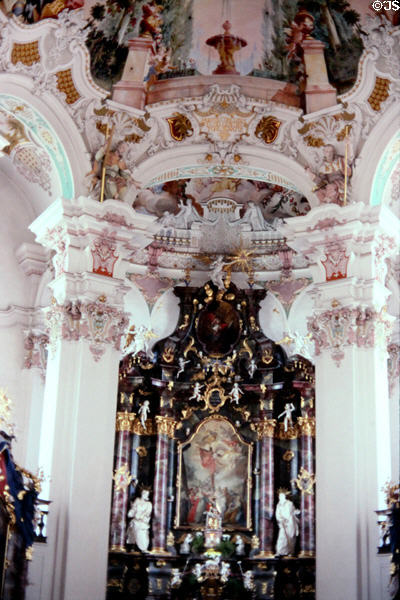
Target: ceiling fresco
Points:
(264, 39)
(272, 201)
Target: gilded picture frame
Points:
(214, 467)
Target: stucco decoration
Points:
(43, 150)
(35, 346)
(340, 327)
(98, 322)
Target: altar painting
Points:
(214, 471)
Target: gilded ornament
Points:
(190, 347)
(265, 428)
(267, 129)
(305, 481)
(291, 432)
(246, 348)
(267, 356)
(122, 478)
(288, 456)
(29, 553)
(185, 322)
(138, 428)
(170, 539)
(379, 94)
(306, 426)
(168, 354)
(253, 323)
(141, 451)
(179, 127)
(166, 426)
(124, 421)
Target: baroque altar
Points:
(215, 425)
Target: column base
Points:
(118, 549)
(319, 97)
(264, 554)
(307, 554)
(159, 552)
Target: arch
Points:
(371, 173)
(51, 127)
(256, 163)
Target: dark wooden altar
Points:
(214, 439)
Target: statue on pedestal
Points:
(288, 523)
(139, 524)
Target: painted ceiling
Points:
(183, 30)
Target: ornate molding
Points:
(97, 322)
(124, 421)
(341, 327)
(166, 425)
(264, 429)
(306, 426)
(35, 346)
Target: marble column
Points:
(122, 479)
(306, 426)
(85, 323)
(165, 431)
(265, 433)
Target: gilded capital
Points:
(306, 426)
(124, 421)
(264, 429)
(166, 425)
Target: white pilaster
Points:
(350, 327)
(85, 324)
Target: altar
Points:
(214, 460)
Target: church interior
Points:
(199, 322)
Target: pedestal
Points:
(319, 92)
(131, 90)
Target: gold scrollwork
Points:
(291, 433)
(138, 428)
(190, 347)
(264, 428)
(211, 388)
(305, 481)
(124, 421)
(141, 451)
(166, 425)
(267, 356)
(253, 323)
(179, 127)
(306, 426)
(185, 322)
(246, 348)
(267, 129)
(288, 455)
(168, 354)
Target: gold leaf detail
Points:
(267, 129)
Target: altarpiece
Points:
(215, 422)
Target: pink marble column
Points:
(121, 480)
(307, 518)
(165, 431)
(265, 433)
